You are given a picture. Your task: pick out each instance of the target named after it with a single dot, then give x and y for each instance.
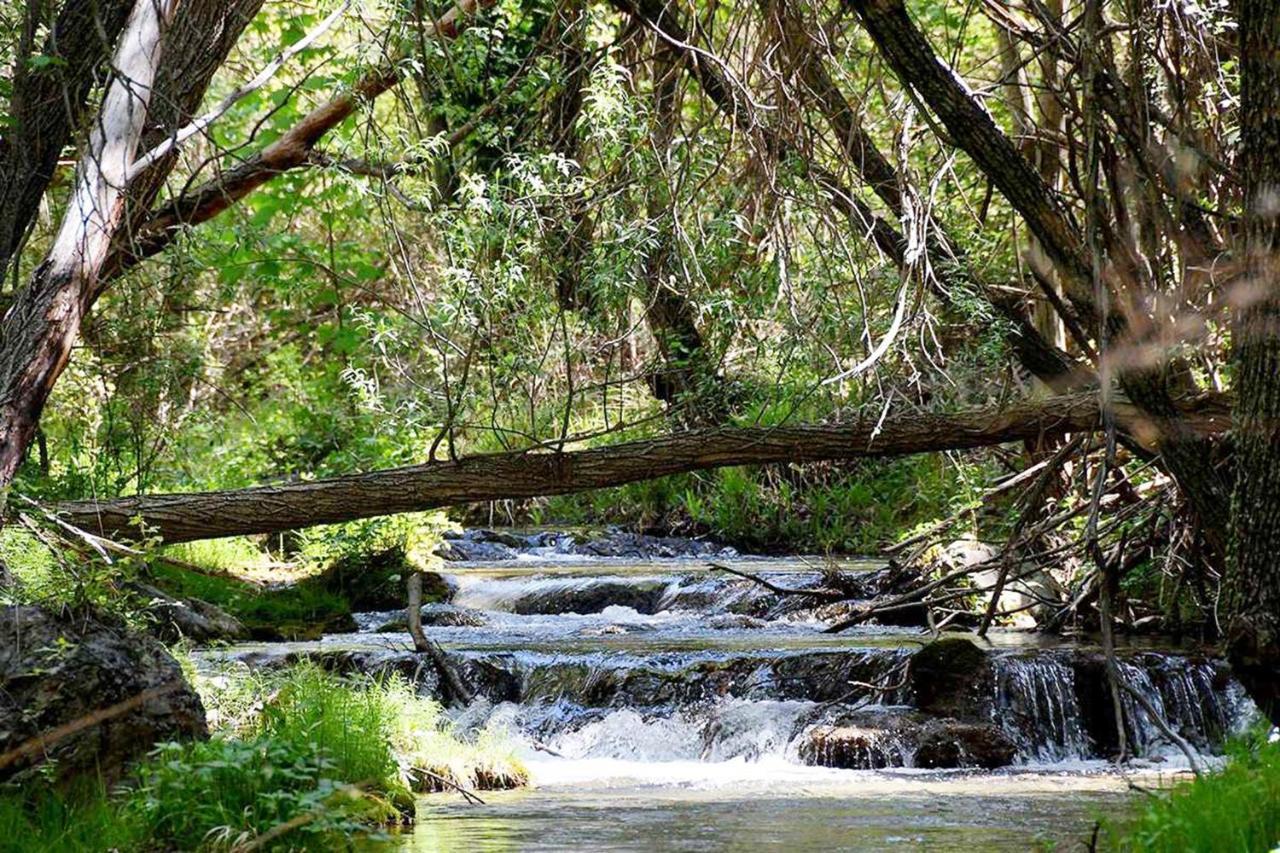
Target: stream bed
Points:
(662, 704)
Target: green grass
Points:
(339, 757)
(1234, 809)
(289, 612)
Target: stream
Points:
(663, 704)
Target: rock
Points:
(502, 537)
(732, 621)
(639, 546)
(593, 596)
(470, 550)
(437, 615)
(853, 747)
(953, 677)
(56, 670)
(949, 744)
(377, 581)
(191, 619)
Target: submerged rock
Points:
(437, 615)
(58, 670)
(949, 744)
(591, 596)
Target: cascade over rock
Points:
(668, 659)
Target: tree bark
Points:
(48, 106)
(38, 330)
(270, 509)
(1252, 584)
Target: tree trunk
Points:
(456, 687)
(1252, 583)
(49, 106)
(269, 509)
(38, 330)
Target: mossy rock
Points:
(301, 611)
(953, 677)
(376, 581)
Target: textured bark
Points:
(49, 106)
(38, 330)
(1252, 584)
(196, 45)
(269, 509)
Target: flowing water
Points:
(662, 704)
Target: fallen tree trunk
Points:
(534, 473)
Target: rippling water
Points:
(663, 706)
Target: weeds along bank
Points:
(301, 759)
(1236, 808)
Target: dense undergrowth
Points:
(1234, 809)
(299, 760)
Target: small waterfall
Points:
(1190, 697)
(660, 661)
(1036, 703)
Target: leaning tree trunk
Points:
(455, 685)
(48, 106)
(38, 330)
(1252, 585)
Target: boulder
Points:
(437, 615)
(952, 677)
(124, 688)
(175, 619)
(852, 747)
(949, 743)
(593, 596)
